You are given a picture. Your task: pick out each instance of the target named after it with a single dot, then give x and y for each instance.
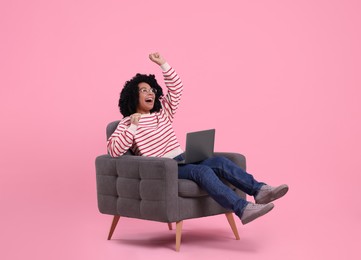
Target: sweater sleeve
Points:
(175, 88)
(122, 138)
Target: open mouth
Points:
(149, 100)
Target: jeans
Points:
(207, 175)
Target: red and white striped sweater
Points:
(154, 136)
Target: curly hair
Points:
(129, 97)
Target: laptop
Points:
(199, 146)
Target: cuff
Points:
(132, 128)
(165, 67)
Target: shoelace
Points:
(266, 188)
(256, 206)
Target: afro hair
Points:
(129, 96)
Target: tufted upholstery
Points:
(137, 187)
(148, 188)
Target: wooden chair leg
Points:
(112, 228)
(232, 224)
(178, 235)
(170, 226)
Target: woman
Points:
(146, 130)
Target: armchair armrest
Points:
(138, 187)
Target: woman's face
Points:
(146, 98)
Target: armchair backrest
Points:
(111, 128)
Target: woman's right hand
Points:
(157, 58)
(134, 118)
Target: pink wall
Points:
(279, 80)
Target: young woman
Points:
(146, 130)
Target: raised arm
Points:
(173, 82)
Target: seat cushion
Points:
(190, 189)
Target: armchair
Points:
(148, 188)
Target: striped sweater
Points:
(154, 136)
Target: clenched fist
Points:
(157, 58)
(134, 118)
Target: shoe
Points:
(268, 193)
(253, 211)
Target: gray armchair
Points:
(148, 188)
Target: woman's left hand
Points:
(157, 58)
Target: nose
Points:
(150, 94)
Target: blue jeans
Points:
(207, 175)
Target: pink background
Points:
(279, 80)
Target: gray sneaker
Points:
(268, 193)
(253, 211)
